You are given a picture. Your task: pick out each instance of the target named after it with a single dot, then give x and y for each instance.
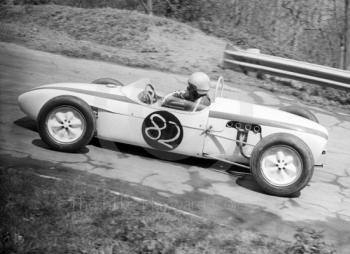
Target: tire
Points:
(107, 81)
(299, 111)
(270, 161)
(66, 123)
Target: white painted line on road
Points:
(137, 199)
(49, 177)
(157, 204)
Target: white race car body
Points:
(209, 133)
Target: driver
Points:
(196, 95)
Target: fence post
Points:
(346, 60)
(150, 7)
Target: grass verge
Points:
(39, 215)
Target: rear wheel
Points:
(107, 81)
(299, 111)
(282, 164)
(66, 123)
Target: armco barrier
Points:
(253, 61)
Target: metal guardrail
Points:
(253, 61)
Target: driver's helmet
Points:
(200, 81)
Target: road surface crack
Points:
(147, 176)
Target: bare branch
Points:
(171, 5)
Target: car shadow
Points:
(249, 183)
(243, 176)
(27, 123)
(185, 161)
(41, 144)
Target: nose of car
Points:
(21, 100)
(26, 104)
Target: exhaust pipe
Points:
(256, 129)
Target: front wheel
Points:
(282, 164)
(66, 123)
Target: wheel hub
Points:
(281, 165)
(65, 124)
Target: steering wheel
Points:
(150, 93)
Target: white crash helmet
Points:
(201, 81)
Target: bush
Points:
(309, 241)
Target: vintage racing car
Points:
(280, 147)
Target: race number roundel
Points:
(162, 130)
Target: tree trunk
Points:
(148, 6)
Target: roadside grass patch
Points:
(48, 216)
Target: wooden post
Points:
(346, 60)
(342, 57)
(150, 7)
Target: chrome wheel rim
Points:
(281, 165)
(65, 124)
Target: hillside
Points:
(121, 36)
(132, 38)
(307, 30)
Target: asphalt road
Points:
(199, 186)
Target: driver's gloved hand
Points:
(144, 98)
